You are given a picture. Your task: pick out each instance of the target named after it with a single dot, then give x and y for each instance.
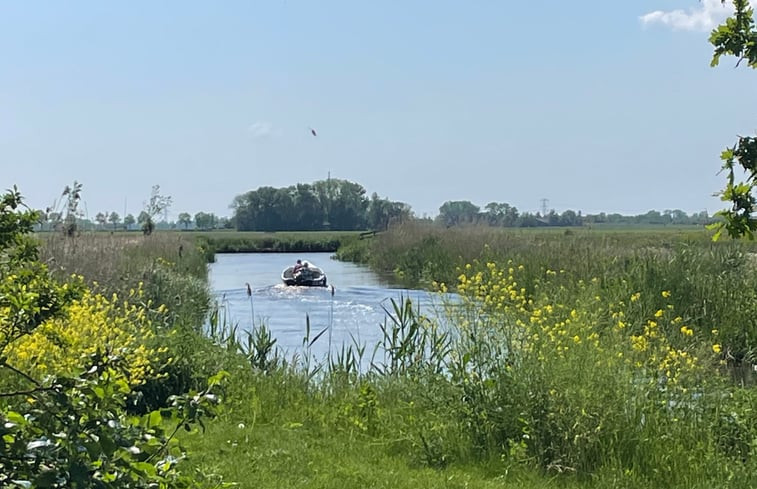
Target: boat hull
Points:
(313, 277)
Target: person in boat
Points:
(297, 266)
(305, 272)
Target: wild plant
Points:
(75, 357)
(260, 349)
(573, 378)
(410, 342)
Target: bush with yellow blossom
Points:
(566, 372)
(90, 325)
(68, 361)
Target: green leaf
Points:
(218, 378)
(15, 417)
(155, 419)
(144, 468)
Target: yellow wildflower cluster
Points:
(548, 325)
(533, 324)
(93, 324)
(497, 288)
(652, 351)
(674, 363)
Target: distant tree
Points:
(282, 211)
(336, 204)
(383, 212)
(501, 214)
(101, 218)
(114, 219)
(145, 222)
(455, 213)
(348, 205)
(226, 223)
(552, 218)
(700, 218)
(156, 205)
(129, 221)
(529, 220)
(676, 216)
(494, 212)
(204, 220)
(570, 218)
(310, 214)
(653, 217)
(185, 219)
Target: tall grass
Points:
(568, 381)
(597, 360)
(171, 271)
(713, 285)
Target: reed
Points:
(569, 366)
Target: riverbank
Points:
(570, 362)
(279, 242)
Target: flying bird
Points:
(312, 131)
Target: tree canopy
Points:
(737, 37)
(333, 204)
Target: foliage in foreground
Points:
(74, 432)
(89, 325)
(590, 387)
(736, 37)
(68, 359)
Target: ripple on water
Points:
(354, 312)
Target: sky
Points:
(597, 106)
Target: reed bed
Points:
(596, 360)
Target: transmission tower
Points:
(544, 204)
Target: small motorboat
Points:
(308, 275)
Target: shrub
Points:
(90, 325)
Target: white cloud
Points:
(260, 129)
(704, 17)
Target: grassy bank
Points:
(569, 360)
(712, 284)
(283, 242)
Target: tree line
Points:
(463, 212)
(332, 204)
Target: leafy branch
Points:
(737, 37)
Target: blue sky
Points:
(594, 105)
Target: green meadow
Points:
(572, 358)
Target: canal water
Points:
(354, 312)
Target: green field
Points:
(576, 357)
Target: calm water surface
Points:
(354, 312)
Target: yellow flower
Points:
(666, 293)
(639, 343)
(92, 324)
(716, 348)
